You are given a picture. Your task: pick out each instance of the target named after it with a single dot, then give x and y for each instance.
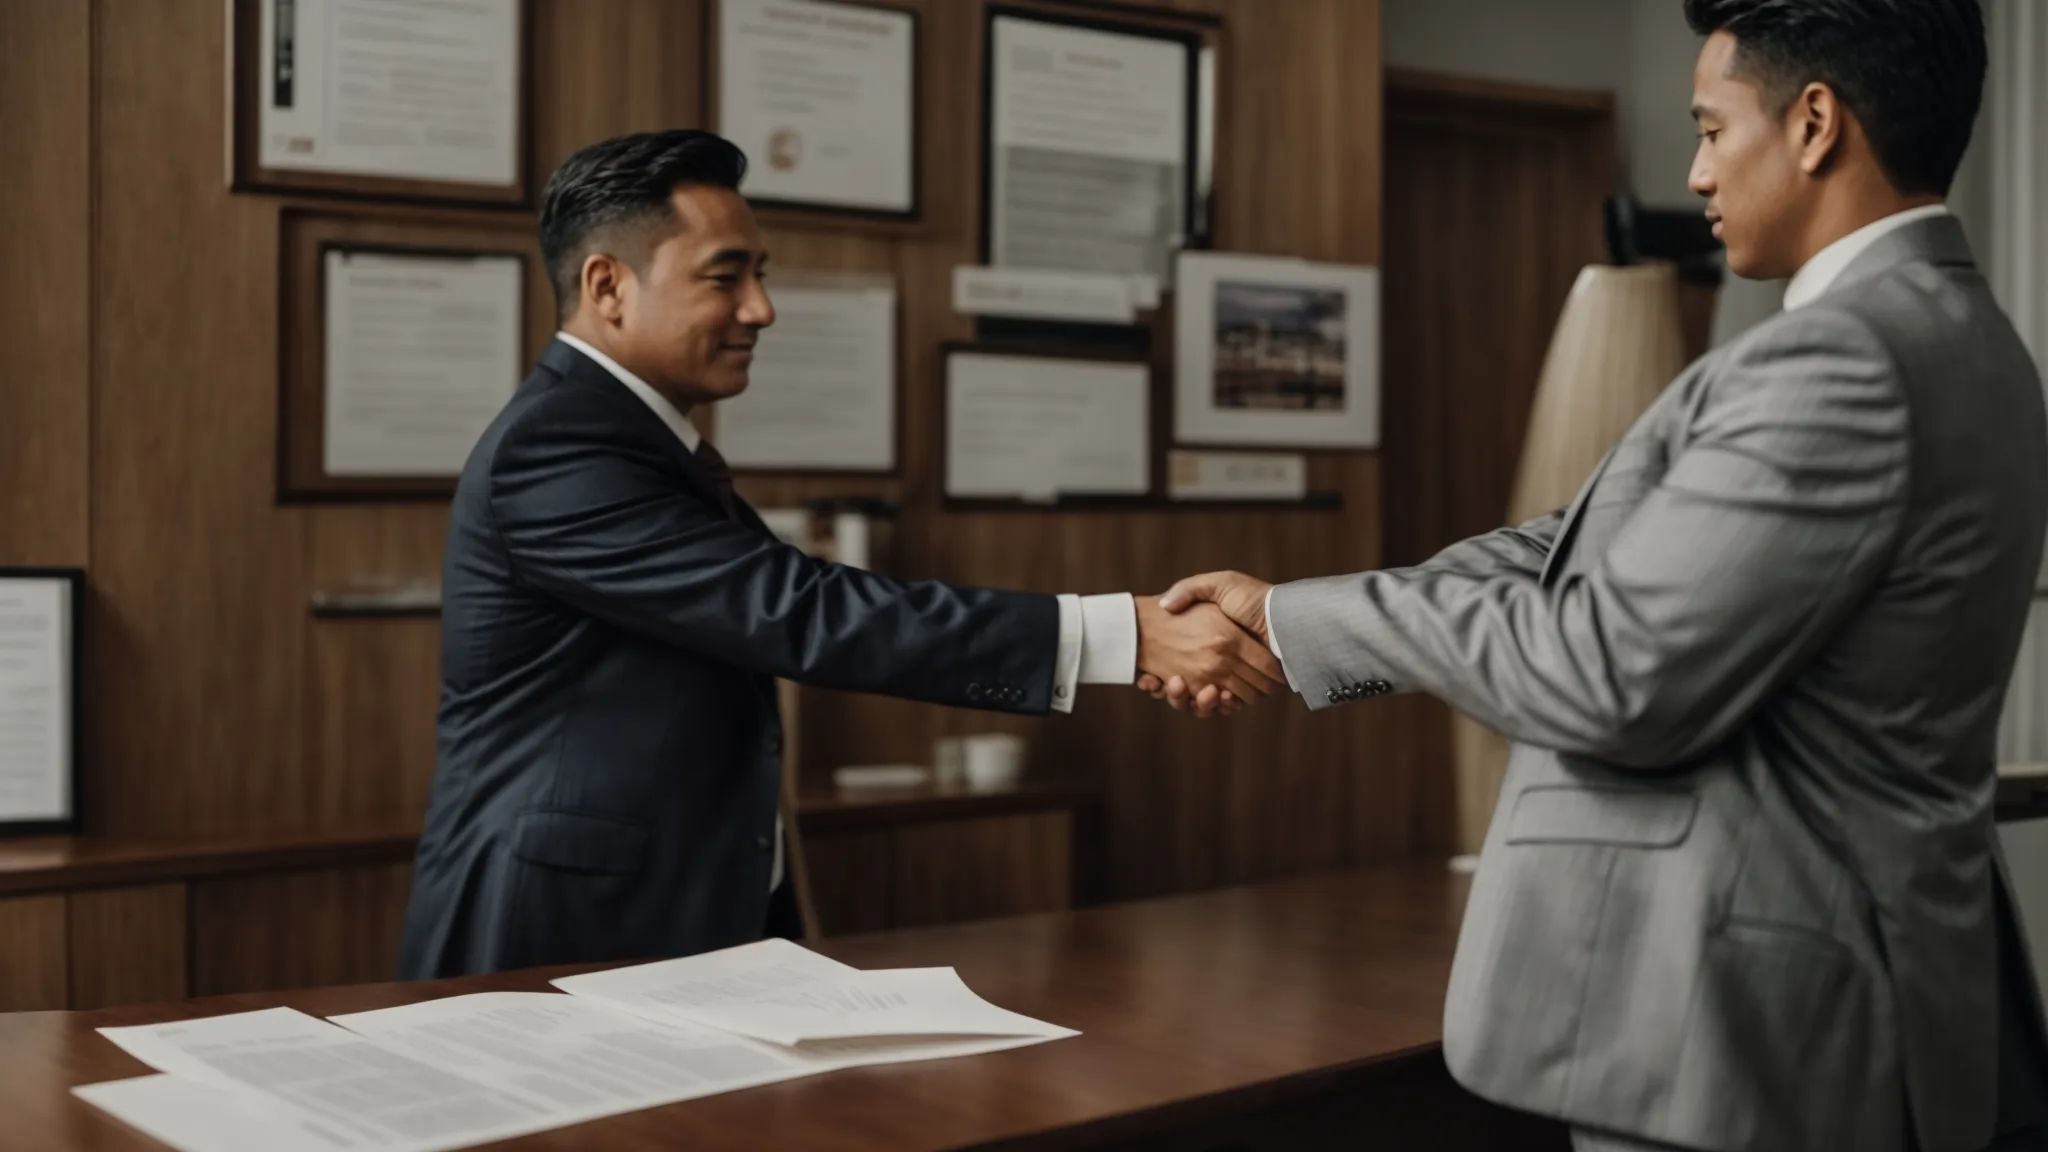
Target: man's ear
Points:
(604, 281)
(1815, 121)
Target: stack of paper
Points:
(458, 1071)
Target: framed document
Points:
(399, 341)
(41, 613)
(383, 98)
(1047, 428)
(822, 393)
(822, 97)
(1276, 352)
(1090, 145)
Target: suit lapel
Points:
(1577, 512)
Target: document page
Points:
(674, 987)
(580, 1054)
(195, 1117)
(920, 1002)
(363, 1095)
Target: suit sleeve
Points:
(1521, 548)
(602, 522)
(1773, 522)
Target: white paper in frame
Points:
(1275, 352)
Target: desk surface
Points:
(1211, 1003)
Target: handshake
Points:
(1204, 645)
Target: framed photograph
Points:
(1047, 428)
(399, 339)
(1276, 352)
(42, 612)
(422, 102)
(1092, 143)
(822, 96)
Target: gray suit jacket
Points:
(1741, 889)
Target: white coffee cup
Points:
(994, 760)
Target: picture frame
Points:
(1149, 440)
(271, 74)
(1276, 352)
(306, 236)
(1194, 36)
(786, 146)
(49, 595)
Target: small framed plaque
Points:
(41, 619)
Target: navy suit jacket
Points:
(609, 744)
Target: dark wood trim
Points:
(826, 810)
(246, 173)
(69, 863)
(1410, 87)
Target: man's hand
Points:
(1240, 597)
(1218, 664)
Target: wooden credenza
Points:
(90, 922)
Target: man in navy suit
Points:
(615, 617)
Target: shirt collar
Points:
(669, 413)
(1814, 277)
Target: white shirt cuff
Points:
(1066, 665)
(1273, 640)
(1098, 645)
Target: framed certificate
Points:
(400, 339)
(1025, 428)
(822, 97)
(41, 617)
(822, 396)
(1093, 147)
(380, 99)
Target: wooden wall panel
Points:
(45, 310)
(199, 645)
(298, 930)
(850, 880)
(32, 954)
(240, 713)
(128, 946)
(971, 869)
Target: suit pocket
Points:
(579, 842)
(1625, 817)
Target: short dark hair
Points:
(1912, 71)
(620, 184)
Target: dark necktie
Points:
(721, 475)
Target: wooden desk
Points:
(1293, 1015)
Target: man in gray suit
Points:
(1741, 890)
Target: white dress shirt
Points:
(1098, 634)
(1813, 278)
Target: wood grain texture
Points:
(128, 946)
(298, 930)
(975, 869)
(1237, 1015)
(1494, 196)
(46, 145)
(850, 879)
(33, 953)
(199, 645)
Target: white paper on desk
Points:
(586, 1056)
(195, 1117)
(374, 1096)
(926, 1003)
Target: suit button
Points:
(1333, 695)
(1016, 695)
(974, 691)
(764, 843)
